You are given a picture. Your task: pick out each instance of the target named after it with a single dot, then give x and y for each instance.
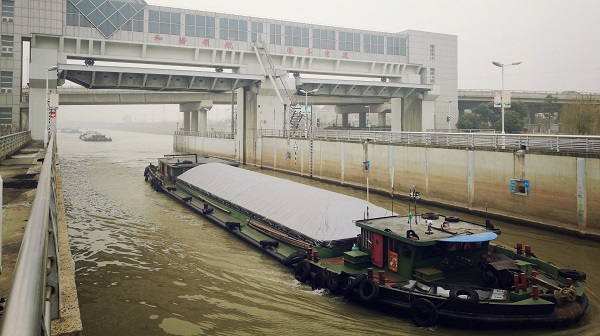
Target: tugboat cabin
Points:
(429, 248)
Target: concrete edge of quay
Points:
(69, 322)
(20, 173)
(594, 236)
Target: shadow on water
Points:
(147, 266)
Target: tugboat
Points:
(435, 269)
(94, 136)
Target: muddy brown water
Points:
(147, 266)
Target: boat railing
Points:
(34, 295)
(540, 142)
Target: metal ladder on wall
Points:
(278, 81)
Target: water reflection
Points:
(147, 266)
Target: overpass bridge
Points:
(535, 100)
(266, 63)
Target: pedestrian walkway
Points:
(20, 173)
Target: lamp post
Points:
(45, 116)
(448, 120)
(498, 64)
(368, 115)
(306, 93)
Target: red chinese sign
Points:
(345, 54)
(328, 53)
(206, 42)
(308, 52)
(182, 40)
(228, 45)
(157, 38)
(290, 50)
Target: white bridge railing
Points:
(553, 143)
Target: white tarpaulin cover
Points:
(319, 214)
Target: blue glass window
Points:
(349, 41)
(257, 28)
(373, 44)
(296, 36)
(275, 34)
(234, 30)
(161, 22)
(106, 15)
(396, 46)
(323, 39)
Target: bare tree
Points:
(582, 116)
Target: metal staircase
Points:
(277, 78)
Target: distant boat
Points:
(94, 136)
(70, 130)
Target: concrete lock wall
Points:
(563, 190)
(225, 148)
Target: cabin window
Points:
(367, 238)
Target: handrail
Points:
(211, 134)
(12, 142)
(33, 297)
(541, 142)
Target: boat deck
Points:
(428, 230)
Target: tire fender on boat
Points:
(319, 280)
(423, 313)
(368, 290)
(294, 258)
(464, 295)
(334, 283)
(352, 285)
(302, 271)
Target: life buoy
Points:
(294, 258)
(464, 295)
(368, 290)
(302, 271)
(352, 285)
(423, 313)
(571, 273)
(319, 280)
(334, 283)
(393, 262)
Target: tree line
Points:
(580, 117)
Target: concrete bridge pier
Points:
(246, 125)
(345, 120)
(362, 119)
(381, 119)
(195, 116)
(39, 77)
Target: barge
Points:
(94, 136)
(434, 269)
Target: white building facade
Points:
(418, 69)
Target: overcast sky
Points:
(558, 41)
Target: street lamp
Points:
(448, 120)
(498, 64)
(368, 115)
(45, 116)
(306, 93)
